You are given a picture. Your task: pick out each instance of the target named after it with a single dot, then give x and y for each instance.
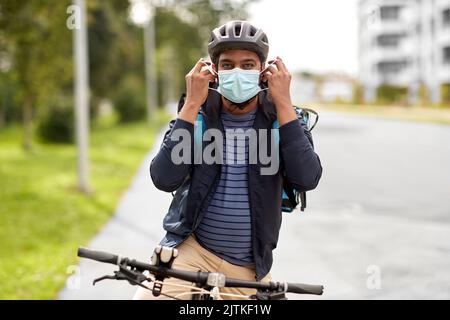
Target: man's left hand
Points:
(279, 80)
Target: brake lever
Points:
(278, 292)
(133, 277)
(104, 278)
(269, 295)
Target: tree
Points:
(39, 46)
(114, 48)
(182, 34)
(41, 50)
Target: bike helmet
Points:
(238, 35)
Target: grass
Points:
(43, 219)
(440, 115)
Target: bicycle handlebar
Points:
(196, 277)
(98, 256)
(302, 288)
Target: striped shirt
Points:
(226, 226)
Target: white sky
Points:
(310, 35)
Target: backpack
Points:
(291, 197)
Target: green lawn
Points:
(43, 219)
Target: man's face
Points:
(246, 60)
(243, 59)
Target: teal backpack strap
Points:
(289, 195)
(276, 132)
(284, 196)
(199, 130)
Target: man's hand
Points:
(279, 80)
(197, 83)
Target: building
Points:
(303, 89)
(327, 87)
(404, 43)
(336, 87)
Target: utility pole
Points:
(142, 13)
(150, 64)
(82, 97)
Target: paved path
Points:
(381, 215)
(383, 204)
(133, 231)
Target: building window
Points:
(389, 67)
(446, 55)
(390, 12)
(389, 40)
(446, 17)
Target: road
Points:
(377, 227)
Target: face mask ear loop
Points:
(210, 69)
(214, 89)
(269, 65)
(265, 69)
(261, 73)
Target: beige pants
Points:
(193, 257)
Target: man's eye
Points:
(226, 66)
(248, 66)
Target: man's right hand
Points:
(197, 84)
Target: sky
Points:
(310, 35)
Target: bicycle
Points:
(207, 284)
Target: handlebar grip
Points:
(305, 288)
(98, 255)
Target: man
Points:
(232, 215)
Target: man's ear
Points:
(263, 79)
(216, 78)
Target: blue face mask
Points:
(238, 85)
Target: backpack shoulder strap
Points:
(199, 130)
(288, 190)
(276, 132)
(181, 102)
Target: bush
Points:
(57, 124)
(10, 109)
(391, 94)
(445, 94)
(424, 95)
(358, 94)
(129, 102)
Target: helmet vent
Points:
(222, 31)
(264, 39)
(237, 29)
(252, 31)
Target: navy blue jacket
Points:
(300, 164)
